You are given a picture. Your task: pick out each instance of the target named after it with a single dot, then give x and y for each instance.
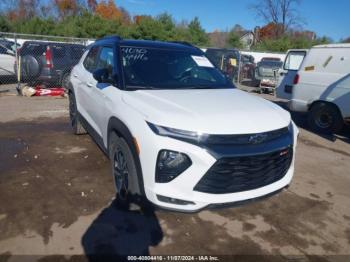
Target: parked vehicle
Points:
(225, 59)
(266, 73)
(248, 67)
(322, 87)
(287, 74)
(49, 63)
(7, 60)
(175, 128)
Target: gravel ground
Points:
(56, 195)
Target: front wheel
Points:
(78, 128)
(325, 118)
(123, 169)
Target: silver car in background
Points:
(266, 73)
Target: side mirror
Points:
(101, 75)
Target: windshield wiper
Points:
(145, 87)
(207, 87)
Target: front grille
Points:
(245, 139)
(237, 174)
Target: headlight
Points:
(293, 129)
(170, 164)
(188, 136)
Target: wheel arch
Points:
(316, 102)
(66, 71)
(70, 87)
(117, 126)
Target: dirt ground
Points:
(57, 200)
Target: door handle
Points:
(75, 75)
(89, 84)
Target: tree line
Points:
(92, 19)
(98, 18)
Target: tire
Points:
(65, 80)
(124, 170)
(78, 128)
(325, 118)
(31, 67)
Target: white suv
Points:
(176, 130)
(7, 59)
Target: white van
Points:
(322, 87)
(287, 73)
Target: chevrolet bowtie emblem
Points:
(257, 138)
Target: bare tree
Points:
(279, 12)
(20, 9)
(218, 38)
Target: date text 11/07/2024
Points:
(173, 258)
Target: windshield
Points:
(169, 69)
(9, 45)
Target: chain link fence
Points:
(251, 71)
(46, 61)
(37, 60)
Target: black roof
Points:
(149, 43)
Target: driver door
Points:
(98, 95)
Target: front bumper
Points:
(182, 187)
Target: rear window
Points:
(270, 59)
(270, 63)
(77, 51)
(33, 48)
(294, 60)
(58, 51)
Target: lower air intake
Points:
(243, 173)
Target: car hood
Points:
(211, 111)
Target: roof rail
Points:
(111, 37)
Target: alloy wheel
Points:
(121, 173)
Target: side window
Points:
(77, 52)
(91, 59)
(106, 60)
